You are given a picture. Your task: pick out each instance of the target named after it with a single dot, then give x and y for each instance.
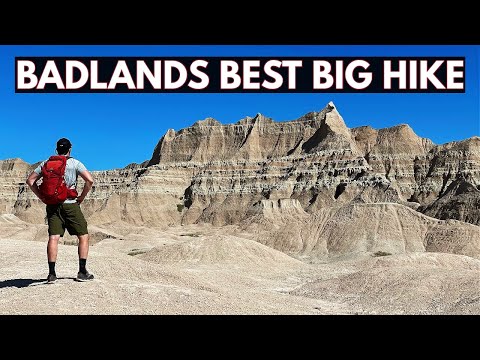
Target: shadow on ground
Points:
(21, 283)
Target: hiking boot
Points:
(84, 276)
(51, 278)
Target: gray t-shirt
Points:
(73, 168)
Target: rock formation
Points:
(357, 228)
(338, 190)
(461, 200)
(12, 183)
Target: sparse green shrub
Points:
(381, 253)
(134, 252)
(191, 235)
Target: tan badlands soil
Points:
(199, 270)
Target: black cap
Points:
(63, 145)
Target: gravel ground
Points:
(224, 274)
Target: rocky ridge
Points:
(314, 168)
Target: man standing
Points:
(67, 214)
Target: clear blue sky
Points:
(113, 130)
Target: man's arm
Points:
(32, 184)
(88, 185)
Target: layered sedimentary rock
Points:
(315, 159)
(396, 152)
(461, 200)
(357, 228)
(310, 159)
(220, 174)
(13, 175)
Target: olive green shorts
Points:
(66, 216)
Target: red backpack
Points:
(53, 188)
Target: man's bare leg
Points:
(52, 248)
(83, 246)
(52, 251)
